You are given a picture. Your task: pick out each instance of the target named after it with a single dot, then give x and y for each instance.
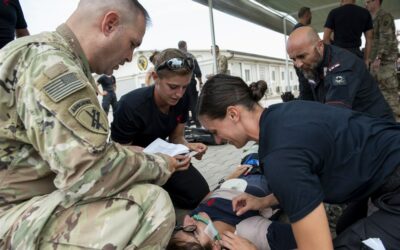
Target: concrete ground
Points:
(219, 161)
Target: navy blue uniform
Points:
(348, 22)
(193, 93)
(107, 83)
(345, 81)
(316, 153)
(11, 18)
(138, 121)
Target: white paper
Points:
(374, 243)
(161, 146)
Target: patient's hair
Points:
(178, 244)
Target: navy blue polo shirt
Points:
(314, 153)
(11, 18)
(138, 121)
(348, 22)
(106, 82)
(344, 81)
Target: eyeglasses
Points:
(187, 229)
(177, 64)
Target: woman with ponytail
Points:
(311, 153)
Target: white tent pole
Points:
(210, 7)
(287, 59)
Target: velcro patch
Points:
(63, 86)
(90, 116)
(55, 70)
(339, 81)
(79, 104)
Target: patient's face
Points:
(197, 236)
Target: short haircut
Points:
(303, 11)
(181, 44)
(141, 9)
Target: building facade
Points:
(250, 67)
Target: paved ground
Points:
(219, 161)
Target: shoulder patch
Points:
(63, 86)
(55, 70)
(89, 116)
(79, 104)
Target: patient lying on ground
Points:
(214, 218)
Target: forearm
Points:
(269, 201)
(312, 232)
(21, 33)
(179, 140)
(327, 36)
(85, 172)
(368, 45)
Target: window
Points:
(273, 75)
(291, 75)
(262, 72)
(278, 89)
(247, 75)
(283, 76)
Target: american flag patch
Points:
(63, 86)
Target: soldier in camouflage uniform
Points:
(384, 54)
(62, 184)
(222, 62)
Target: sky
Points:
(172, 21)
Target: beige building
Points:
(250, 67)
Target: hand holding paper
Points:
(171, 149)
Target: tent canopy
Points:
(270, 13)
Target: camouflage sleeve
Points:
(58, 106)
(222, 65)
(383, 33)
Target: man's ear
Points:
(110, 22)
(233, 113)
(320, 47)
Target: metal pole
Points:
(210, 7)
(287, 59)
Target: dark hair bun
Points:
(258, 89)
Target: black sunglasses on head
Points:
(177, 64)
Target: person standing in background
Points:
(222, 62)
(12, 22)
(305, 17)
(384, 53)
(347, 23)
(192, 88)
(109, 87)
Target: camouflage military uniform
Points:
(62, 184)
(384, 46)
(222, 64)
